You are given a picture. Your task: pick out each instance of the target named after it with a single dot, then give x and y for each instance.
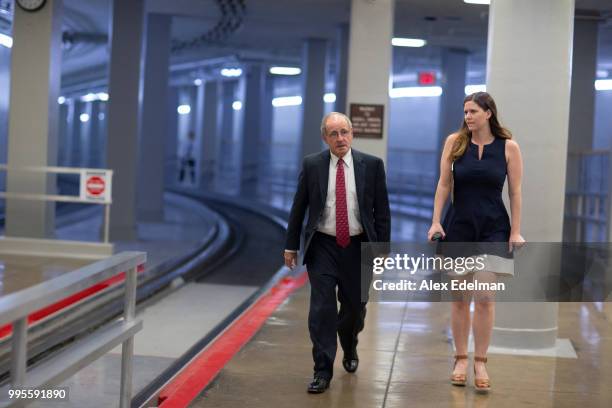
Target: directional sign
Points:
(96, 186)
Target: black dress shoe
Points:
(350, 364)
(318, 385)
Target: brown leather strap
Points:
(481, 359)
(460, 356)
(482, 383)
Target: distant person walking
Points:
(187, 159)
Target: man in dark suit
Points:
(346, 194)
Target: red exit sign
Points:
(427, 78)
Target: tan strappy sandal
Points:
(459, 379)
(481, 384)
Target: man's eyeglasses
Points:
(343, 132)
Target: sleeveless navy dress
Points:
(477, 212)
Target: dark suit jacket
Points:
(311, 193)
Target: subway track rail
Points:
(243, 246)
(255, 259)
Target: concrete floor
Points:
(405, 360)
(18, 272)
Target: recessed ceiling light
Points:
(487, 2)
(286, 101)
(408, 42)
(231, 72)
(183, 109)
(285, 71)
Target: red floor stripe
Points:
(203, 369)
(7, 329)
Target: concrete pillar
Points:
(369, 64)
(198, 117)
(454, 67)
(5, 61)
(82, 156)
(528, 74)
(171, 156)
(34, 111)
(225, 161)
(187, 123)
(75, 135)
(208, 135)
(252, 91)
(95, 136)
(582, 110)
(153, 129)
(342, 50)
(313, 88)
(103, 124)
(64, 131)
(265, 153)
(124, 113)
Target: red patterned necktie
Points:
(343, 238)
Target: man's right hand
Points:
(290, 259)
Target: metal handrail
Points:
(587, 198)
(16, 307)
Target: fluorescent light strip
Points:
(6, 41)
(90, 97)
(486, 2)
(231, 72)
(600, 85)
(285, 71)
(407, 92)
(286, 101)
(470, 89)
(408, 42)
(603, 85)
(415, 92)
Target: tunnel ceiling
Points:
(274, 30)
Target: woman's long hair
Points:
(486, 102)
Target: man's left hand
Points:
(290, 259)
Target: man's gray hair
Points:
(329, 115)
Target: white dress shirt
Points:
(327, 223)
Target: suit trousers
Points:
(330, 266)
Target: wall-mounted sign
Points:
(367, 120)
(427, 78)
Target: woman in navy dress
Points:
(474, 165)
